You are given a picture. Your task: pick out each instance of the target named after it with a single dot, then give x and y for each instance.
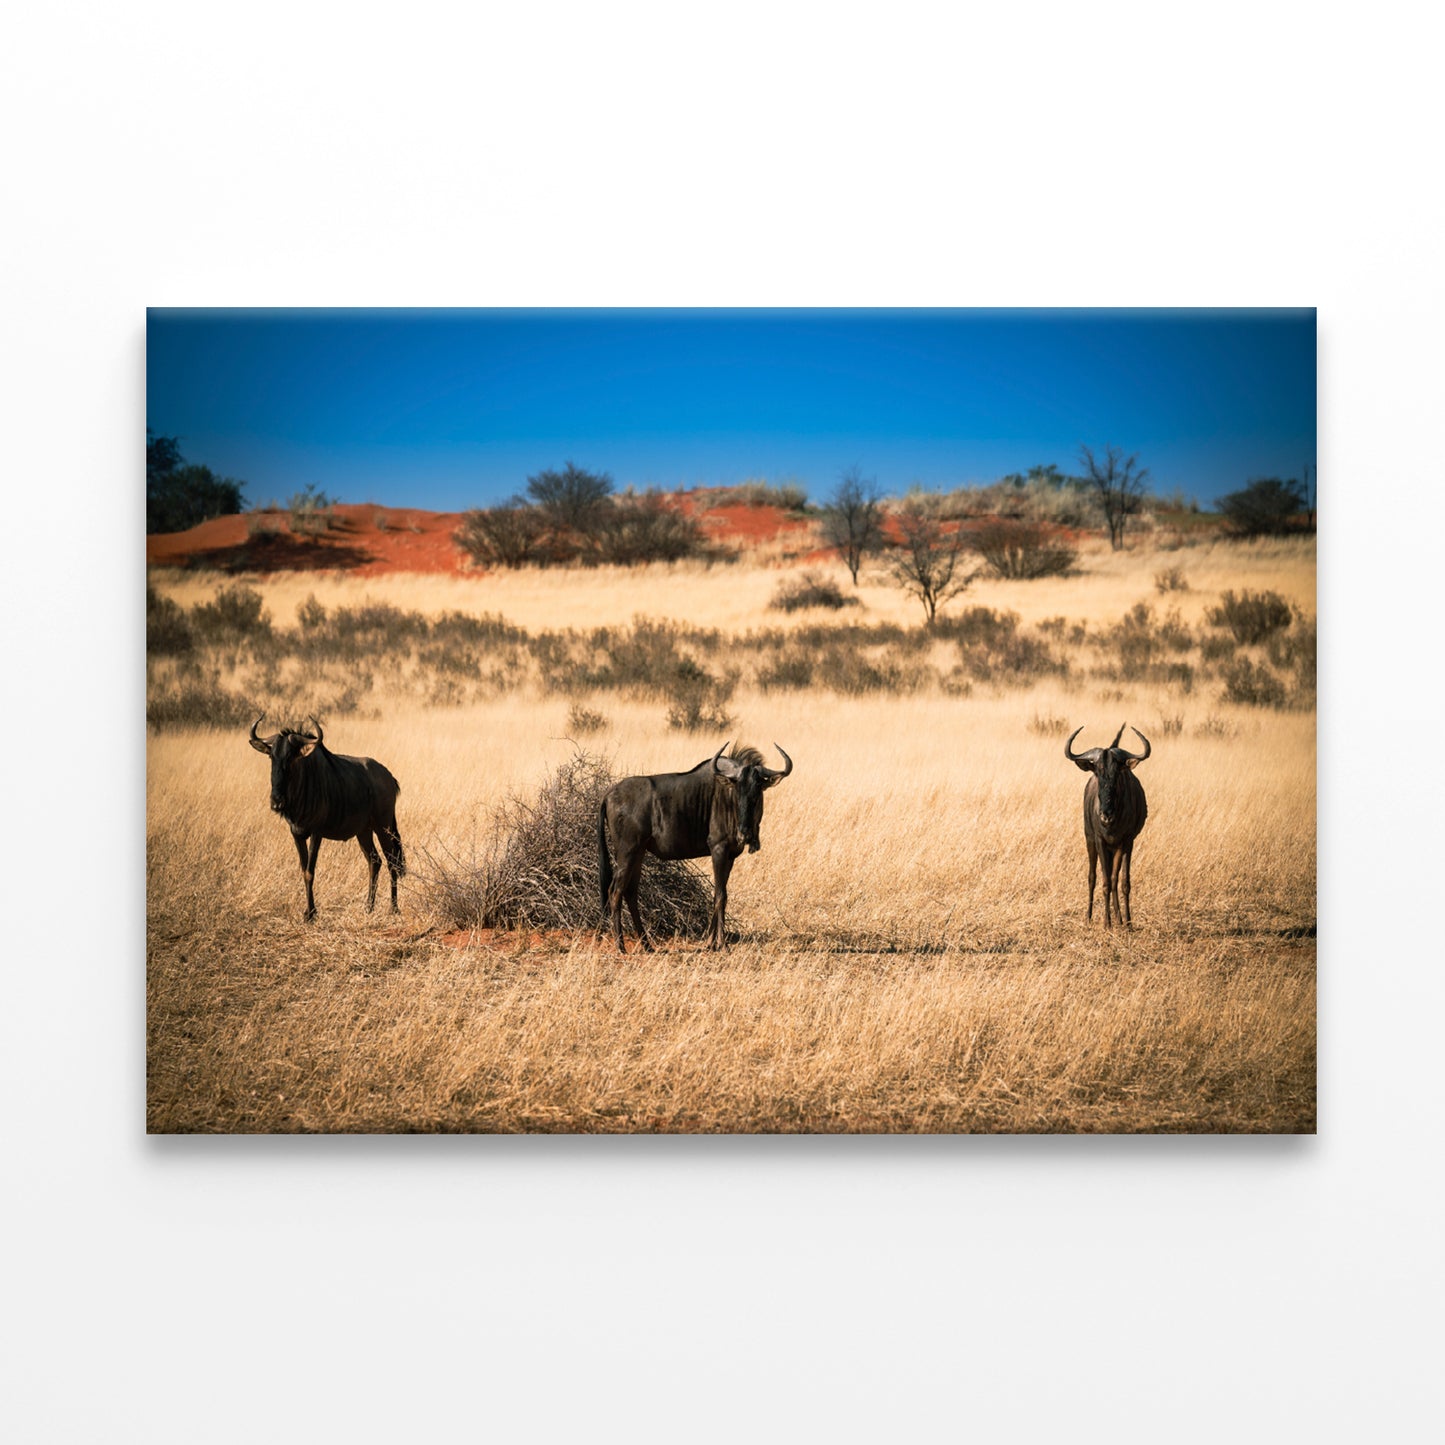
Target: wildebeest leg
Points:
(299, 839)
(633, 909)
(1093, 869)
(1128, 852)
(722, 866)
(307, 855)
(313, 849)
(624, 885)
(373, 861)
(1116, 865)
(390, 840)
(1107, 857)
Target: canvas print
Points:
(730, 721)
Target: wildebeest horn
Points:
(1087, 758)
(315, 722)
(1136, 757)
(773, 775)
(725, 766)
(259, 744)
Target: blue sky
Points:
(451, 409)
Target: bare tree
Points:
(929, 562)
(1117, 485)
(853, 518)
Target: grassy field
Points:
(912, 952)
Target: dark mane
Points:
(313, 793)
(745, 756)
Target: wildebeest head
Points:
(749, 779)
(1108, 765)
(284, 749)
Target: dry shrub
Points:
(1049, 725)
(632, 530)
(237, 612)
(584, 720)
(992, 648)
(699, 700)
(1022, 550)
(1297, 651)
(1253, 684)
(196, 701)
(311, 512)
(1216, 727)
(1252, 616)
(1171, 579)
(811, 590)
(538, 866)
(168, 634)
(754, 493)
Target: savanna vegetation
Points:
(910, 949)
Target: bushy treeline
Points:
(574, 515)
(1254, 649)
(182, 494)
(1268, 507)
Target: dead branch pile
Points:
(537, 867)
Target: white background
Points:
(680, 1289)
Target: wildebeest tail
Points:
(604, 860)
(392, 850)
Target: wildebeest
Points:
(1114, 812)
(322, 794)
(714, 809)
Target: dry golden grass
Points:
(913, 953)
(735, 596)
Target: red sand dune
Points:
(365, 539)
(370, 540)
